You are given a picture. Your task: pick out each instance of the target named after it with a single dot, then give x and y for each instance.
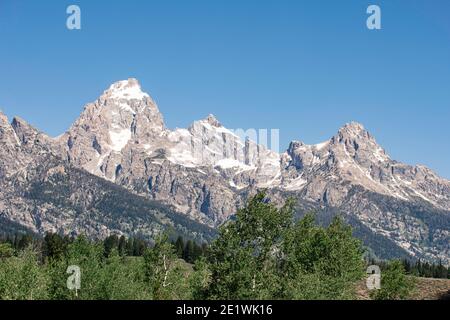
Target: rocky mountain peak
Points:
(20, 144)
(212, 120)
(207, 170)
(126, 89)
(24, 131)
(353, 130)
(123, 116)
(124, 101)
(4, 122)
(355, 141)
(294, 145)
(354, 125)
(7, 133)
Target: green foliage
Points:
(427, 270)
(131, 247)
(263, 254)
(200, 279)
(164, 273)
(109, 203)
(54, 245)
(189, 250)
(179, 246)
(89, 258)
(395, 284)
(323, 263)
(122, 246)
(102, 278)
(244, 259)
(123, 278)
(22, 278)
(6, 250)
(110, 243)
(417, 268)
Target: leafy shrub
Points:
(395, 284)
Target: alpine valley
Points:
(119, 170)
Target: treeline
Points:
(427, 270)
(264, 253)
(18, 241)
(189, 250)
(53, 245)
(418, 268)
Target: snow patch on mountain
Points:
(127, 89)
(295, 184)
(232, 163)
(119, 139)
(322, 145)
(207, 170)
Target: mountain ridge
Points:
(42, 192)
(207, 171)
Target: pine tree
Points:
(130, 247)
(188, 254)
(139, 247)
(23, 241)
(179, 246)
(54, 246)
(122, 246)
(197, 253)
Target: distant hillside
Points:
(59, 198)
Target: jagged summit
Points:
(125, 96)
(123, 117)
(19, 121)
(212, 120)
(7, 133)
(3, 118)
(22, 129)
(206, 171)
(354, 125)
(126, 89)
(25, 131)
(353, 129)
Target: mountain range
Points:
(119, 169)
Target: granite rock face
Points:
(40, 191)
(208, 171)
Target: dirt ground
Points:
(426, 289)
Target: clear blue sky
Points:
(305, 67)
